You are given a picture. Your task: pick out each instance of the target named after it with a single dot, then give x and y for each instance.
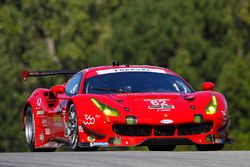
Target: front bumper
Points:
(181, 134)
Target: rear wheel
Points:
(72, 131)
(29, 130)
(161, 147)
(209, 147)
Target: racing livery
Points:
(124, 105)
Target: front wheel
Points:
(161, 148)
(72, 131)
(209, 147)
(29, 130)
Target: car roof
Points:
(93, 71)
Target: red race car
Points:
(124, 105)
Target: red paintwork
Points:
(54, 118)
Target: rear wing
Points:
(26, 74)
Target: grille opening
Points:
(132, 130)
(164, 130)
(192, 129)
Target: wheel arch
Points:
(69, 104)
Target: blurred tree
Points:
(234, 83)
(41, 35)
(200, 40)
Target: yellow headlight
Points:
(212, 107)
(108, 111)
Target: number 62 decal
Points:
(159, 104)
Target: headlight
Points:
(212, 106)
(108, 111)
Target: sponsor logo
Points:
(39, 102)
(89, 120)
(52, 145)
(102, 144)
(220, 141)
(100, 72)
(47, 131)
(166, 121)
(57, 121)
(41, 137)
(57, 118)
(40, 112)
(162, 107)
(91, 138)
(44, 122)
(58, 124)
(80, 129)
(159, 104)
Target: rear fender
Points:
(31, 102)
(37, 102)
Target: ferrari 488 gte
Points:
(124, 105)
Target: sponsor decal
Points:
(39, 102)
(159, 104)
(80, 129)
(47, 131)
(40, 112)
(161, 107)
(57, 118)
(89, 120)
(220, 141)
(225, 116)
(52, 145)
(44, 122)
(91, 138)
(116, 70)
(117, 141)
(63, 111)
(58, 124)
(41, 137)
(102, 144)
(57, 121)
(155, 100)
(166, 121)
(224, 113)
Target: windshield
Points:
(135, 82)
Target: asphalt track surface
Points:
(127, 159)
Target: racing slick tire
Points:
(72, 129)
(209, 147)
(161, 147)
(29, 130)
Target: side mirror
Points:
(58, 89)
(208, 86)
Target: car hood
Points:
(161, 107)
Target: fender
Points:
(31, 101)
(90, 117)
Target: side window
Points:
(73, 85)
